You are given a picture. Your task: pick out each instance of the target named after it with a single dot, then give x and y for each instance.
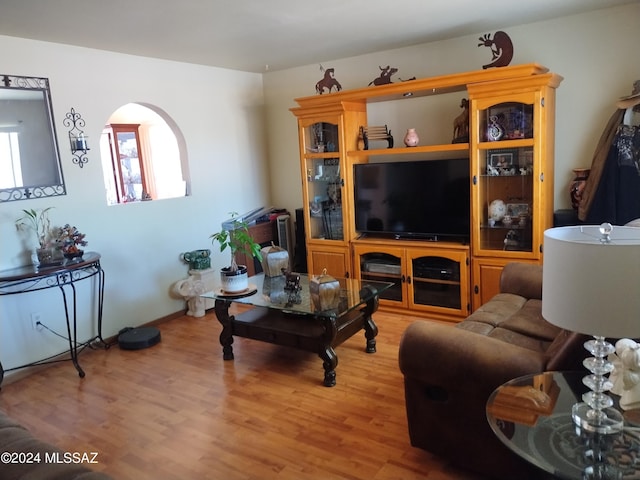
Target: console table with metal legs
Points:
(32, 278)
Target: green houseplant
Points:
(38, 221)
(237, 239)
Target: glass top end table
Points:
(290, 317)
(540, 429)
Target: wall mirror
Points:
(29, 156)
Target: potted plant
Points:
(39, 222)
(237, 239)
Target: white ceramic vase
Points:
(411, 138)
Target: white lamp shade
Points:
(590, 286)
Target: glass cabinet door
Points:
(505, 177)
(324, 181)
(436, 282)
(385, 268)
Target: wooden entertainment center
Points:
(510, 147)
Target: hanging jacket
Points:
(612, 193)
(597, 164)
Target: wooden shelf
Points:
(455, 149)
(519, 143)
(435, 281)
(455, 82)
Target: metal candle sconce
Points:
(77, 138)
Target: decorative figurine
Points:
(461, 124)
(501, 49)
(197, 259)
(626, 373)
(292, 280)
(385, 76)
(497, 210)
(511, 240)
(328, 81)
(495, 130)
(191, 290)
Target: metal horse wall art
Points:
(501, 49)
(328, 81)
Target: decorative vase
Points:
(275, 260)
(497, 210)
(577, 186)
(234, 282)
(411, 138)
(197, 259)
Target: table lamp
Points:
(591, 285)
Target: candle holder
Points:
(77, 138)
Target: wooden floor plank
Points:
(179, 411)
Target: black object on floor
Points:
(137, 338)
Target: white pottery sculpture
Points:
(191, 290)
(626, 373)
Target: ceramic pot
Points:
(45, 256)
(72, 255)
(577, 186)
(411, 138)
(234, 282)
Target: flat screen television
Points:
(427, 199)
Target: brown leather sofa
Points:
(27, 458)
(449, 372)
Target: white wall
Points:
(219, 112)
(596, 53)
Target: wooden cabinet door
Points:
(335, 261)
(486, 281)
(486, 278)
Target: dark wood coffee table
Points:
(289, 318)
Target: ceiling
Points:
(262, 35)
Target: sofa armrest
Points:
(15, 438)
(439, 355)
(524, 279)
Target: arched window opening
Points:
(142, 158)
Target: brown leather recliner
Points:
(449, 372)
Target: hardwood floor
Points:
(178, 411)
